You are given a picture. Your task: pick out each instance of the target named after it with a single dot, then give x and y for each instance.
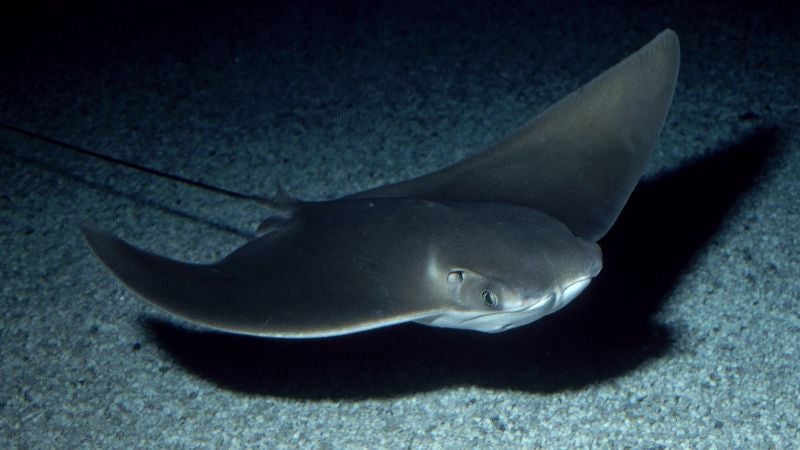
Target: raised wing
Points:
(579, 160)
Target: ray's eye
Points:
(489, 298)
(455, 276)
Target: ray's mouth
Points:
(555, 301)
(573, 290)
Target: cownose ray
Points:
(493, 242)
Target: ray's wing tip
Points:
(95, 237)
(666, 39)
(669, 35)
(667, 43)
(661, 51)
(108, 248)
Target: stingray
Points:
(493, 242)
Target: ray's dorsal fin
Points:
(579, 160)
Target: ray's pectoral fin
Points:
(205, 294)
(251, 291)
(180, 288)
(579, 160)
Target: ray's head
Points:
(520, 271)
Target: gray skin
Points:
(490, 243)
(346, 266)
(577, 161)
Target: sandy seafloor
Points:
(689, 338)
